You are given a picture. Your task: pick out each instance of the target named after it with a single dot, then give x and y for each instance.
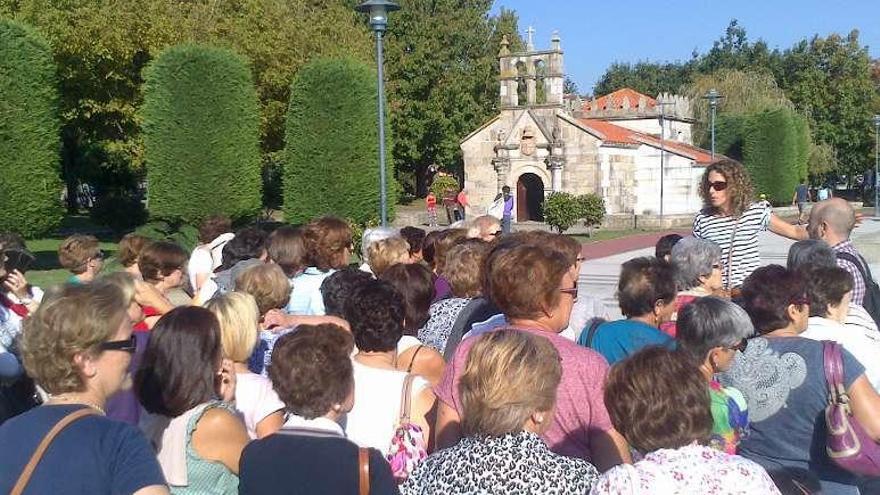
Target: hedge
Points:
(201, 129)
(331, 162)
(775, 153)
(30, 185)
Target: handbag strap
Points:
(29, 468)
(405, 398)
(833, 372)
(363, 471)
(413, 360)
(730, 253)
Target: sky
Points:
(596, 34)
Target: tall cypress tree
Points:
(201, 135)
(30, 186)
(331, 160)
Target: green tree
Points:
(562, 210)
(201, 135)
(645, 77)
(331, 163)
(775, 152)
(734, 51)
(29, 141)
(442, 73)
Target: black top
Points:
(292, 463)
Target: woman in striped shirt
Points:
(732, 219)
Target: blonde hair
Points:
(267, 283)
(75, 252)
(238, 315)
(385, 253)
(508, 376)
(72, 321)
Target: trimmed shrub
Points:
(591, 207)
(201, 135)
(561, 211)
(442, 185)
(772, 150)
(730, 133)
(331, 157)
(30, 186)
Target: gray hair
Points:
(711, 322)
(374, 234)
(693, 258)
(810, 253)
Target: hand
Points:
(147, 295)
(226, 381)
(16, 284)
(275, 318)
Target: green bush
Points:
(180, 233)
(591, 207)
(773, 154)
(730, 133)
(201, 135)
(442, 184)
(331, 158)
(561, 211)
(30, 186)
(120, 210)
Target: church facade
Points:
(632, 150)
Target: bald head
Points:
(485, 228)
(832, 220)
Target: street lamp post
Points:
(713, 98)
(662, 105)
(378, 11)
(877, 165)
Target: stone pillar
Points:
(502, 169)
(531, 83)
(554, 80)
(507, 76)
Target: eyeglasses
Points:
(718, 185)
(716, 266)
(741, 346)
(580, 259)
(493, 234)
(573, 291)
(128, 345)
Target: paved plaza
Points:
(599, 274)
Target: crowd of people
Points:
(464, 360)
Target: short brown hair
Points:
(508, 376)
(444, 243)
(160, 259)
(523, 279)
(287, 249)
(130, 247)
(267, 283)
(384, 253)
(212, 226)
(826, 286)
(416, 286)
(311, 369)
(326, 239)
(657, 399)
(464, 267)
(739, 186)
(76, 251)
(72, 321)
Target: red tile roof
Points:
(614, 134)
(615, 100)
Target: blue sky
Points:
(596, 34)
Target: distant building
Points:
(545, 141)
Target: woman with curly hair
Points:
(732, 219)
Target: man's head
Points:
(832, 221)
(506, 191)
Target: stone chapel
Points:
(544, 141)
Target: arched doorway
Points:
(529, 198)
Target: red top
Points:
(141, 326)
(431, 200)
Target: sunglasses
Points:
(741, 346)
(128, 345)
(718, 185)
(573, 291)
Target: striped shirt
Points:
(858, 292)
(745, 257)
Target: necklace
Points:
(59, 398)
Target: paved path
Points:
(599, 274)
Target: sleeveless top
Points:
(203, 476)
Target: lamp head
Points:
(378, 11)
(877, 120)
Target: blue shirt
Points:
(619, 339)
(93, 455)
(305, 297)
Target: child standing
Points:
(431, 203)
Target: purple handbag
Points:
(847, 444)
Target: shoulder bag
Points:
(847, 444)
(363, 471)
(408, 444)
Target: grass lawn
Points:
(46, 271)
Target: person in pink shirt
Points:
(535, 287)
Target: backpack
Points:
(586, 338)
(871, 303)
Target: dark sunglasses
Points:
(741, 346)
(128, 345)
(571, 290)
(718, 185)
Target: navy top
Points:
(619, 339)
(291, 463)
(93, 455)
